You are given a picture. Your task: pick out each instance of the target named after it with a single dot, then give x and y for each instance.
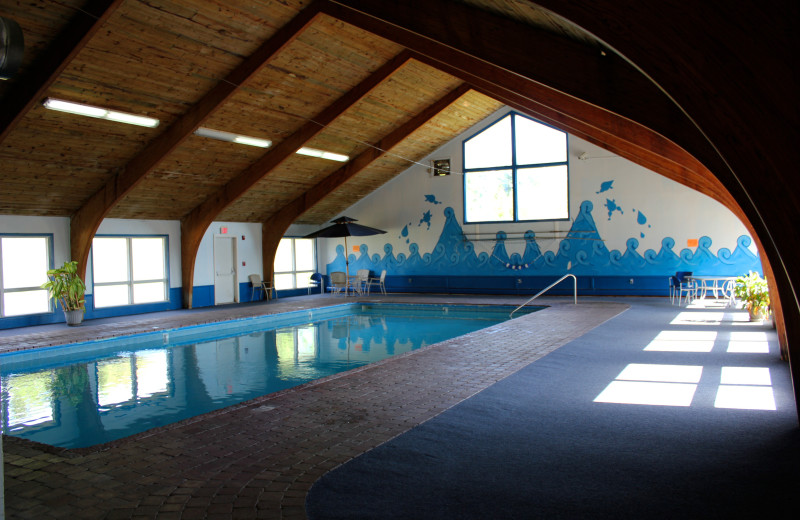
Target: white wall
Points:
(58, 226)
(171, 228)
(671, 209)
(248, 251)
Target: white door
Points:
(225, 280)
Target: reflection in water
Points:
(102, 399)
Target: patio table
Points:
(716, 285)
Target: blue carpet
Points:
(536, 445)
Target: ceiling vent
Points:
(12, 46)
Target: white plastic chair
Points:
(260, 285)
(358, 282)
(380, 282)
(338, 282)
(686, 286)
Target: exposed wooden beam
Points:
(527, 79)
(743, 99)
(87, 219)
(195, 223)
(274, 228)
(488, 44)
(602, 128)
(30, 89)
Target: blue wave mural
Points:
(582, 252)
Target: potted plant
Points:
(67, 288)
(753, 291)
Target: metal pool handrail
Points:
(547, 289)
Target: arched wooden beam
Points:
(735, 121)
(605, 129)
(31, 88)
(274, 228)
(87, 219)
(195, 223)
(434, 44)
(521, 57)
(734, 80)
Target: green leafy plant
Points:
(754, 292)
(66, 287)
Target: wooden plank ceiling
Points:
(158, 59)
(165, 58)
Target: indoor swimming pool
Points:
(90, 393)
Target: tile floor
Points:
(259, 459)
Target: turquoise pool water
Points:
(90, 393)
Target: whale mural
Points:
(581, 252)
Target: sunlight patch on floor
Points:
(748, 343)
(745, 397)
(660, 385)
(745, 388)
(682, 341)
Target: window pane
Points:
(490, 148)
(25, 262)
(148, 292)
(304, 279)
(110, 295)
(25, 302)
(29, 398)
(306, 343)
(304, 254)
(284, 344)
(148, 258)
(283, 256)
(284, 281)
(542, 193)
(110, 260)
(151, 372)
(537, 143)
(488, 196)
(114, 381)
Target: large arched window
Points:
(516, 170)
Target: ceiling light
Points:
(100, 113)
(252, 141)
(232, 138)
(322, 154)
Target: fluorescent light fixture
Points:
(232, 138)
(100, 113)
(322, 154)
(264, 143)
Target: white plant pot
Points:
(74, 317)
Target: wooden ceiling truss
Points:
(315, 75)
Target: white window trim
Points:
(514, 168)
(294, 270)
(129, 282)
(49, 244)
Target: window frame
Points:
(514, 167)
(129, 282)
(49, 245)
(294, 270)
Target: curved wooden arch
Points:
(676, 70)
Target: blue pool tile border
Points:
(188, 334)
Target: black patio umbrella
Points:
(345, 227)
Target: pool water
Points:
(82, 395)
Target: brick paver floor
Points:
(259, 459)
